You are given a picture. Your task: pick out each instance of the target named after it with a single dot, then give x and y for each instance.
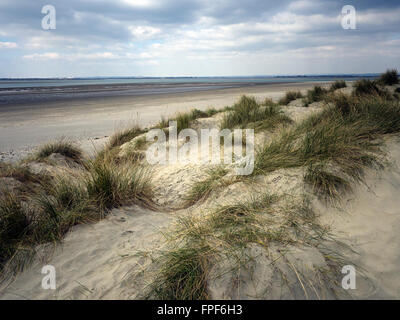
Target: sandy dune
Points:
(369, 223)
(114, 258)
(95, 260)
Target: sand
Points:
(95, 261)
(369, 223)
(112, 258)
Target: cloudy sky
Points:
(197, 38)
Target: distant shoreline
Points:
(141, 78)
(16, 83)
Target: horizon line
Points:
(191, 77)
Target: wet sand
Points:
(13, 96)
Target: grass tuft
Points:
(46, 215)
(22, 174)
(247, 113)
(184, 119)
(140, 143)
(246, 110)
(365, 87)
(183, 273)
(184, 267)
(211, 111)
(65, 148)
(197, 243)
(124, 136)
(290, 96)
(202, 189)
(241, 223)
(163, 123)
(325, 183)
(344, 135)
(110, 185)
(338, 84)
(14, 225)
(315, 95)
(389, 78)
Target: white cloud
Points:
(140, 3)
(8, 45)
(144, 32)
(379, 17)
(91, 56)
(42, 56)
(301, 5)
(75, 56)
(144, 56)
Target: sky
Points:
(197, 38)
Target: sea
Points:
(35, 91)
(58, 82)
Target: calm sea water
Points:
(38, 91)
(29, 83)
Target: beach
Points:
(89, 120)
(321, 197)
(177, 154)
